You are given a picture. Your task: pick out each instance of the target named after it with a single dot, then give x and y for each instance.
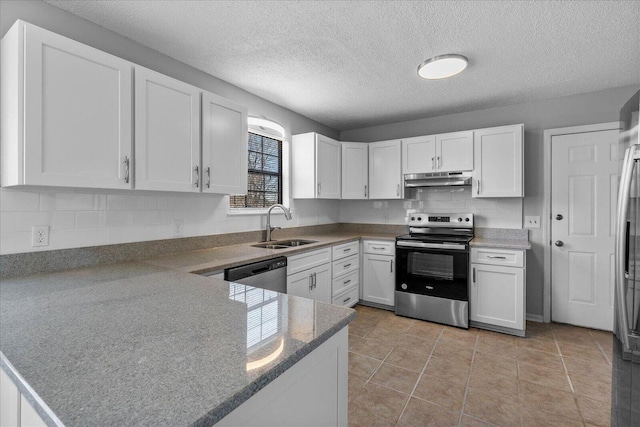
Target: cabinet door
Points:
(385, 164)
(497, 295)
(454, 151)
(328, 168)
(321, 290)
(77, 113)
(300, 284)
(355, 170)
(167, 133)
(499, 162)
(224, 146)
(419, 154)
(378, 279)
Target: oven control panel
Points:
(441, 220)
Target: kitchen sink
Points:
(283, 244)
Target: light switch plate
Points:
(531, 222)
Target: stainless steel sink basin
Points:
(283, 244)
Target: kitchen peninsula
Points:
(138, 344)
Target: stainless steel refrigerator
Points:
(625, 395)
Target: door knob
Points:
(559, 243)
(559, 217)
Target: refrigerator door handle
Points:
(621, 243)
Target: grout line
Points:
(466, 389)
(601, 349)
(421, 373)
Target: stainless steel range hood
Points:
(437, 179)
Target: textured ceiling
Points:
(351, 64)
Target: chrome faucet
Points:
(287, 215)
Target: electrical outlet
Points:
(178, 227)
(531, 222)
(40, 235)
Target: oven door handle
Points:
(403, 244)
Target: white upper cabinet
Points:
(355, 170)
(447, 152)
(224, 146)
(385, 175)
(167, 133)
(419, 154)
(499, 168)
(454, 151)
(66, 112)
(316, 167)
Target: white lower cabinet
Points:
(346, 274)
(497, 290)
(309, 275)
(378, 275)
(15, 409)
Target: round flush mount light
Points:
(442, 66)
(268, 125)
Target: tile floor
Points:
(408, 372)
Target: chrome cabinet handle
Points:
(496, 257)
(365, 190)
(398, 190)
(196, 171)
(208, 177)
(346, 282)
(319, 188)
(439, 162)
(474, 275)
(315, 280)
(346, 266)
(377, 248)
(310, 282)
(346, 250)
(391, 265)
(478, 187)
(433, 163)
(346, 300)
(126, 170)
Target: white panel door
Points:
(378, 279)
(328, 168)
(355, 170)
(454, 151)
(224, 146)
(419, 154)
(497, 295)
(77, 125)
(167, 133)
(584, 188)
(498, 170)
(385, 175)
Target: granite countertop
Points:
(500, 243)
(230, 256)
(139, 344)
(505, 238)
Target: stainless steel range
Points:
(432, 274)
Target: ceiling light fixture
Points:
(258, 122)
(442, 66)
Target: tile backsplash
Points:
(80, 218)
(490, 213)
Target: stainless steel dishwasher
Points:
(270, 274)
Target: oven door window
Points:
(437, 266)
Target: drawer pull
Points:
(346, 250)
(496, 257)
(346, 282)
(378, 248)
(347, 265)
(346, 300)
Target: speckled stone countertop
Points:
(230, 256)
(138, 344)
(506, 238)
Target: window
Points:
(264, 183)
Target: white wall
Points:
(87, 218)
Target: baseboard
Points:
(535, 318)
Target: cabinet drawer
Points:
(506, 257)
(379, 247)
(348, 298)
(306, 260)
(346, 265)
(346, 249)
(345, 281)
